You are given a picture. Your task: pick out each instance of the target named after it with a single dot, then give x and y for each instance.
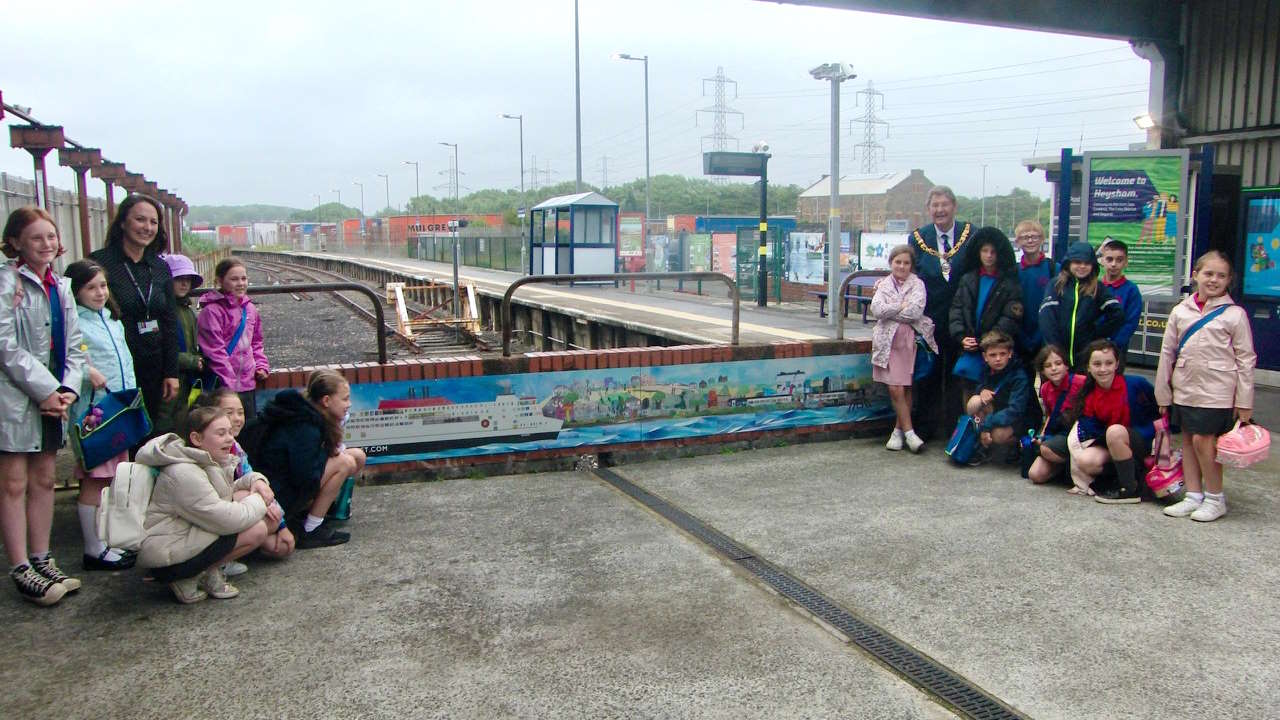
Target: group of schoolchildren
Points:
(220, 493)
(1090, 421)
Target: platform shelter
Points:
(573, 235)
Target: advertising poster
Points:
(1138, 198)
(874, 251)
(805, 262)
(631, 235)
(697, 248)
(1262, 247)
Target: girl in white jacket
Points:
(195, 523)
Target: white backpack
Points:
(123, 509)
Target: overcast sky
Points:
(239, 102)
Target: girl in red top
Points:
(1103, 428)
(1059, 388)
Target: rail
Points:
(380, 323)
(844, 288)
(613, 277)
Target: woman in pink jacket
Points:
(1205, 382)
(229, 331)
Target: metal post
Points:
(833, 220)
(646, 138)
(983, 221)
(387, 181)
(417, 190)
(577, 99)
(111, 201)
(762, 275)
(319, 219)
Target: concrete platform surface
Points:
(1058, 605)
(539, 596)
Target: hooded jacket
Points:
(1215, 368)
(217, 323)
(286, 443)
(103, 340)
(191, 504)
(25, 378)
(1003, 309)
(1071, 319)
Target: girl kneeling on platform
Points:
(194, 523)
(1114, 423)
(297, 442)
(1059, 388)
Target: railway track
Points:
(441, 342)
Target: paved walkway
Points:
(555, 595)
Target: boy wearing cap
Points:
(190, 361)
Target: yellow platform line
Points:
(742, 326)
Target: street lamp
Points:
(837, 73)
(417, 191)
(983, 221)
(456, 202)
(521, 119)
(360, 185)
(387, 181)
(644, 59)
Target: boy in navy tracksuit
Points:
(1035, 273)
(1115, 258)
(1001, 399)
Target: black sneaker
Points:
(35, 587)
(1118, 496)
(323, 536)
(980, 457)
(49, 569)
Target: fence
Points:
(493, 251)
(16, 192)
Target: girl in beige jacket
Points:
(200, 517)
(1207, 384)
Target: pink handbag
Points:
(1165, 474)
(1244, 445)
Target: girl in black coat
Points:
(296, 441)
(988, 297)
(1078, 309)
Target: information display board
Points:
(1139, 198)
(1260, 269)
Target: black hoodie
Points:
(286, 443)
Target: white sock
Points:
(897, 432)
(311, 523)
(911, 433)
(93, 547)
(1198, 497)
(1216, 497)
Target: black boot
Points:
(1126, 488)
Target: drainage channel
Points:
(945, 685)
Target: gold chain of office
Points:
(950, 253)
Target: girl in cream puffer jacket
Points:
(199, 516)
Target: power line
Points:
(720, 137)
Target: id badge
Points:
(148, 326)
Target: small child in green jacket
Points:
(173, 413)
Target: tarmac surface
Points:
(554, 595)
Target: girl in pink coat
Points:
(229, 331)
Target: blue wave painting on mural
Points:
(499, 414)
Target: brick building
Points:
(868, 202)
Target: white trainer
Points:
(1210, 510)
(895, 440)
(1183, 507)
(914, 441)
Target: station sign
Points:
(734, 163)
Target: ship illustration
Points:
(426, 424)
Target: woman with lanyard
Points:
(140, 283)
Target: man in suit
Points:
(942, 258)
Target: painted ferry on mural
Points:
(425, 424)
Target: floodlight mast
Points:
(837, 73)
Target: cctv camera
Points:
(760, 147)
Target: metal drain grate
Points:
(917, 668)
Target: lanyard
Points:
(146, 299)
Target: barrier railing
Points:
(380, 322)
(613, 277)
(838, 309)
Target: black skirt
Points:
(1202, 421)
